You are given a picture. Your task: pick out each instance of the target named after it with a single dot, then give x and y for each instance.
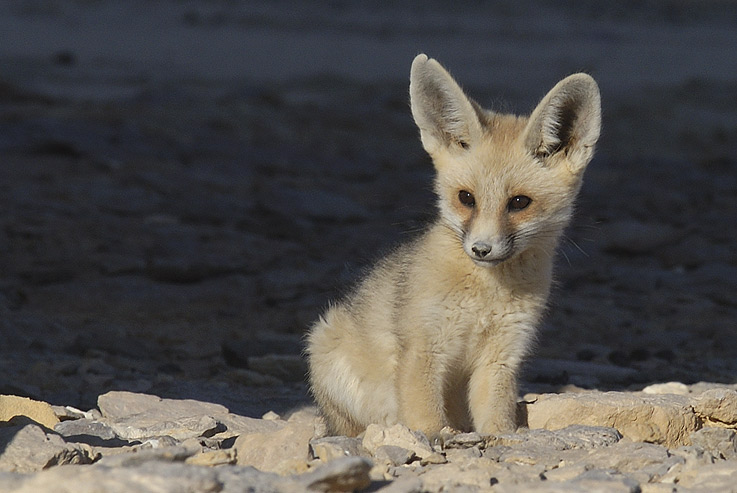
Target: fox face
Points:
(499, 202)
(505, 184)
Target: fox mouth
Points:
(491, 261)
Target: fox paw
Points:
(444, 435)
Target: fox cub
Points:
(435, 334)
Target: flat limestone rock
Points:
(140, 427)
(405, 484)
(144, 455)
(29, 448)
(586, 482)
(242, 425)
(284, 451)
(144, 478)
(329, 448)
(717, 407)
(643, 461)
(666, 419)
(463, 440)
(85, 426)
(213, 458)
(570, 437)
(398, 435)
(344, 474)
(393, 455)
(40, 412)
(720, 476)
(454, 477)
(121, 404)
(135, 416)
(598, 480)
(721, 442)
(347, 474)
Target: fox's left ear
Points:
(567, 120)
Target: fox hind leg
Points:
(333, 377)
(338, 421)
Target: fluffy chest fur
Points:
(457, 309)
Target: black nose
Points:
(481, 250)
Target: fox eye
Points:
(466, 198)
(518, 202)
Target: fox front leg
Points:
(420, 395)
(492, 398)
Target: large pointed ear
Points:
(443, 113)
(567, 120)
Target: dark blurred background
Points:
(185, 184)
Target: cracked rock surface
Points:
(275, 453)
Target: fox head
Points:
(505, 184)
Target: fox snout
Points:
(481, 249)
(488, 252)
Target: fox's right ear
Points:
(443, 113)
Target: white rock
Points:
(397, 435)
(667, 388)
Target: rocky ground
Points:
(184, 186)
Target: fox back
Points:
(435, 334)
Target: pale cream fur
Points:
(435, 334)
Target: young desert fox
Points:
(435, 334)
